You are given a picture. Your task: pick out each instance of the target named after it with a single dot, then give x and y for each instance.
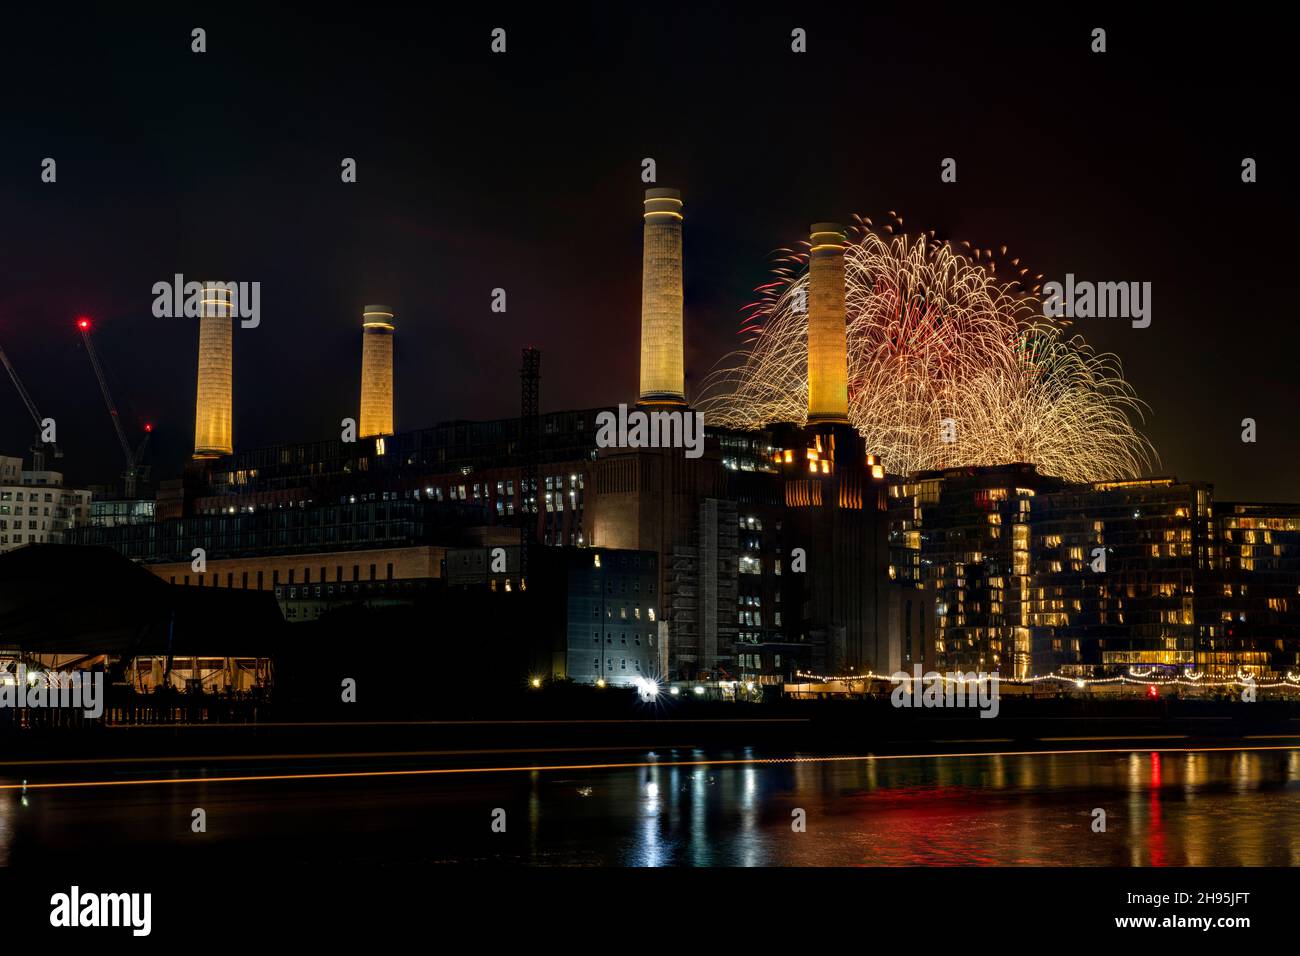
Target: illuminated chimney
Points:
(828, 366)
(663, 380)
(376, 371)
(213, 409)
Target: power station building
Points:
(771, 552)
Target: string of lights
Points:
(1190, 680)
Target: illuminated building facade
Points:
(467, 465)
(213, 409)
(35, 507)
(1254, 608)
(1012, 563)
(596, 610)
(376, 372)
(107, 512)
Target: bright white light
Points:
(699, 690)
(674, 691)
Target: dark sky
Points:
(523, 171)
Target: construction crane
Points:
(134, 470)
(40, 446)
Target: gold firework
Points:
(948, 366)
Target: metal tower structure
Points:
(134, 471)
(39, 445)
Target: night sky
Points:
(523, 171)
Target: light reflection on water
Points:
(1172, 809)
(1202, 809)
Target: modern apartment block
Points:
(35, 507)
(1030, 575)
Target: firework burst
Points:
(948, 366)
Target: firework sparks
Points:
(948, 366)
